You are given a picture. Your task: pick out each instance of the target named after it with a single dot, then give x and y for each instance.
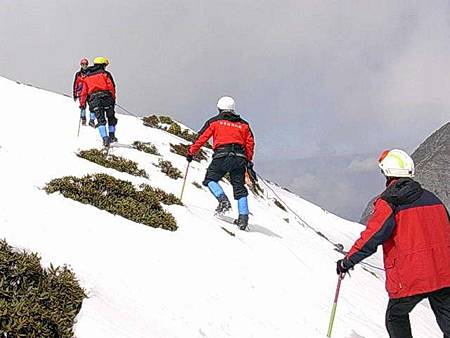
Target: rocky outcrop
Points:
(432, 163)
(432, 160)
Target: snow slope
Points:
(277, 280)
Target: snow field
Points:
(277, 280)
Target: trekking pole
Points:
(184, 181)
(333, 310)
(79, 125)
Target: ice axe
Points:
(333, 310)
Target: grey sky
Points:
(315, 78)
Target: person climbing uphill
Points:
(233, 145)
(99, 91)
(413, 226)
(76, 91)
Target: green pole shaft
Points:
(333, 310)
(184, 181)
(330, 325)
(79, 125)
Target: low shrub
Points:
(168, 169)
(146, 147)
(191, 137)
(36, 301)
(151, 121)
(279, 205)
(166, 120)
(174, 128)
(256, 189)
(111, 161)
(197, 185)
(161, 195)
(181, 149)
(118, 197)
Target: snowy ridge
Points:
(276, 281)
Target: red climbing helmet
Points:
(84, 61)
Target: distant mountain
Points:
(432, 161)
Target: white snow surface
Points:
(277, 280)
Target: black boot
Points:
(83, 121)
(112, 138)
(92, 123)
(242, 222)
(223, 206)
(106, 141)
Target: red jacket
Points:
(96, 80)
(225, 128)
(413, 226)
(78, 83)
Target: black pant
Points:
(102, 104)
(236, 166)
(397, 314)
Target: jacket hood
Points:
(402, 191)
(229, 116)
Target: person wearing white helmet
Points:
(233, 146)
(226, 103)
(413, 227)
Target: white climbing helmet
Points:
(226, 103)
(396, 163)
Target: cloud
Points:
(326, 72)
(340, 184)
(363, 165)
(314, 78)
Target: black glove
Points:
(342, 266)
(189, 157)
(75, 98)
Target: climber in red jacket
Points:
(413, 226)
(233, 146)
(99, 91)
(77, 88)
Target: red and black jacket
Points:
(78, 83)
(226, 128)
(97, 79)
(413, 226)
